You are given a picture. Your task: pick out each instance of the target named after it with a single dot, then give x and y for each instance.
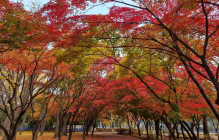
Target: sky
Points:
(101, 9)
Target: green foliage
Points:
(175, 112)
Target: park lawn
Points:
(27, 135)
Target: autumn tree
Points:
(24, 77)
(173, 28)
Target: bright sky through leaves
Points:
(93, 9)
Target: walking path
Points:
(114, 136)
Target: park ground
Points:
(27, 135)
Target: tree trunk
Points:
(57, 125)
(23, 123)
(157, 128)
(198, 126)
(118, 123)
(61, 119)
(139, 132)
(130, 130)
(65, 125)
(146, 127)
(43, 125)
(39, 122)
(84, 129)
(95, 121)
(171, 130)
(7, 126)
(184, 128)
(161, 135)
(1, 120)
(192, 132)
(216, 128)
(1, 132)
(183, 133)
(36, 131)
(88, 127)
(205, 128)
(74, 128)
(101, 125)
(71, 125)
(50, 126)
(15, 136)
(177, 132)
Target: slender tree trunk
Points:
(43, 125)
(1, 120)
(7, 126)
(61, 119)
(65, 125)
(101, 125)
(130, 130)
(57, 124)
(192, 132)
(71, 129)
(71, 126)
(216, 128)
(118, 123)
(171, 130)
(177, 132)
(157, 128)
(95, 121)
(74, 128)
(1, 132)
(184, 128)
(198, 126)
(86, 132)
(139, 132)
(205, 128)
(146, 127)
(183, 133)
(161, 135)
(23, 123)
(15, 136)
(84, 129)
(50, 125)
(39, 122)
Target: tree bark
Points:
(50, 126)
(43, 125)
(101, 124)
(95, 121)
(146, 127)
(205, 127)
(177, 132)
(23, 123)
(184, 128)
(57, 125)
(192, 132)
(1, 120)
(7, 126)
(65, 125)
(139, 132)
(61, 119)
(157, 128)
(71, 125)
(39, 122)
(183, 133)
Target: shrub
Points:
(99, 130)
(123, 131)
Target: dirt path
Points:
(114, 136)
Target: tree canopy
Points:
(146, 60)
